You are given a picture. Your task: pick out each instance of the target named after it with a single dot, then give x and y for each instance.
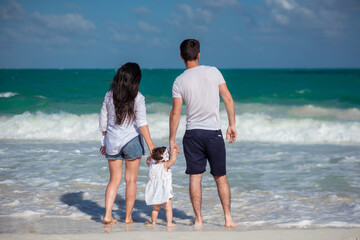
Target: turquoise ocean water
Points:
(296, 162)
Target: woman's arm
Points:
(146, 134)
(141, 121)
(103, 125)
(103, 147)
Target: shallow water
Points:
(272, 185)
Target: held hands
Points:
(231, 134)
(175, 152)
(149, 157)
(174, 147)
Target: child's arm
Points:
(148, 160)
(172, 160)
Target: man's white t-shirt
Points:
(199, 87)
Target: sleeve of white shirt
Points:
(103, 115)
(140, 110)
(176, 89)
(219, 76)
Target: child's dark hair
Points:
(157, 153)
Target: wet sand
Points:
(44, 228)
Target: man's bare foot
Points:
(231, 224)
(110, 220)
(129, 221)
(171, 225)
(150, 223)
(196, 224)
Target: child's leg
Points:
(169, 213)
(155, 213)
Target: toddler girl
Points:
(159, 187)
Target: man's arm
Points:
(230, 109)
(175, 115)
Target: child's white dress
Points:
(159, 187)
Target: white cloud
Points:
(330, 18)
(36, 28)
(120, 37)
(142, 10)
(146, 27)
(199, 15)
(286, 4)
(35, 35)
(67, 22)
(281, 18)
(13, 11)
(220, 3)
(191, 20)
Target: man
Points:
(199, 86)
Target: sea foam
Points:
(260, 127)
(7, 94)
(264, 128)
(313, 111)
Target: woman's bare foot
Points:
(231, 223)
(171, 225)
(110, 220)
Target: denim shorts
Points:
(133, 149)
(202, 146)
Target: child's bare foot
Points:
(231, 223)
(110, 220)
(171, 225)
(129, 221)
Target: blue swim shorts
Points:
(201, 145)
(133, 149)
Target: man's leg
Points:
(195, 196)
(224, 194)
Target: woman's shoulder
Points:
(108, 96)
(139, 98)
(139, 95)
(109, 93)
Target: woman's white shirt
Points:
(118, 136)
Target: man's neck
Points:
(192, 64)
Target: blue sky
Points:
(232, 33)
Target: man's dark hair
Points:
(157, 153)
(189, 49)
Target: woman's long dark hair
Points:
(125, 87)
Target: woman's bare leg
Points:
(115, 169)
(131, 173)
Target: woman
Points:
(123, 124)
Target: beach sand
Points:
(318, 234)
(44, 228)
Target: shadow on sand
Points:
(91, 208)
